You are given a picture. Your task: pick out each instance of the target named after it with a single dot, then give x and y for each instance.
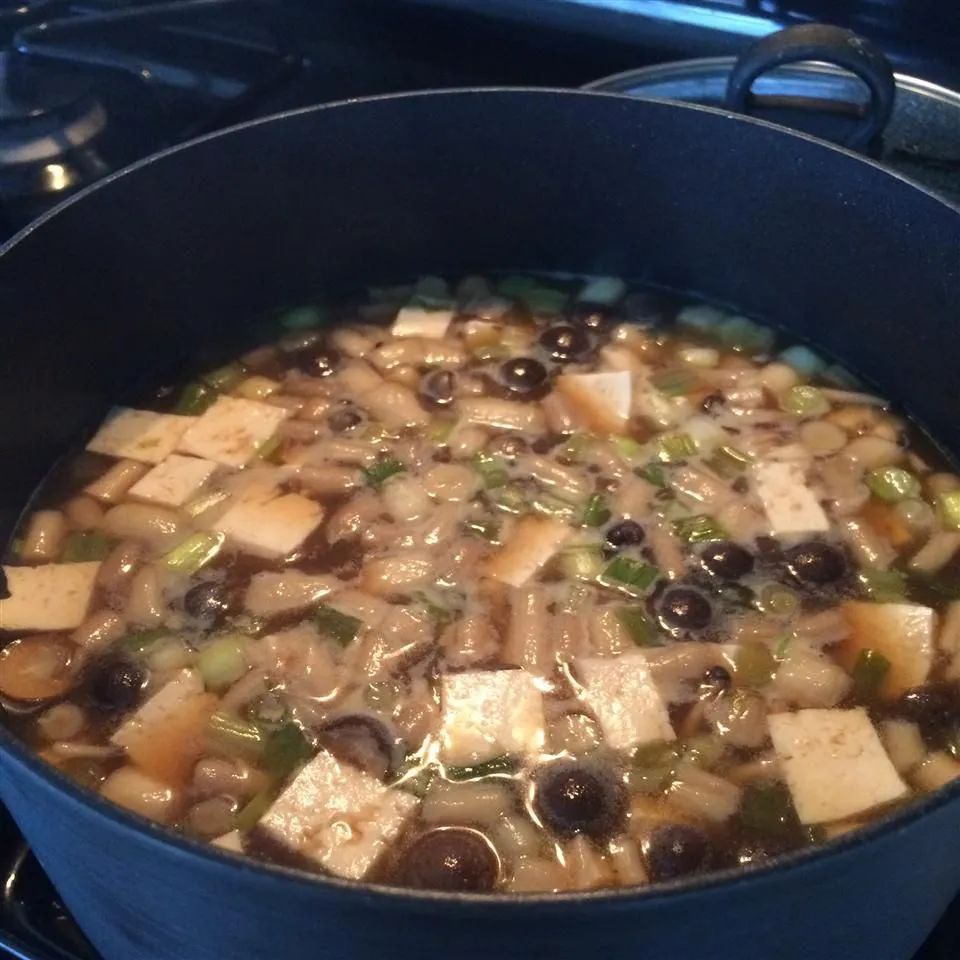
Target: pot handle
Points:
(833, 45)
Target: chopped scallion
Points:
(630, 575)
(380, 471)
(884, 586)
(225, 378)
(948, 508)
(803, 360)
(194, 553)
(627, 447)
(596, 513)
(576, 445)
(504, 764)
(753, 665)
(654, 474)
(743, 334)
(234, 736)
(338, 626)
(892, 484)
(675, 382)
(194, 399)
(511, 498)
(582, 562)
(869, 672)
(698, 529)
(82, 546)
(804, 401)
(765, 808)
(141, 640)
(493, 470)
(285, 750)
(729, 462)
(440, 429)
(635, 621)
(783, 644)
(778, 600)
(223, 661)
(677, 447)
(250, 815)
(268, 450)
(552, 507)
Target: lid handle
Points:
(834, 45)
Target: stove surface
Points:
(240, 60)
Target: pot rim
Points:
(86, 801)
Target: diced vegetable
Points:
(698, 529)
(583, 562)
(503, 764)
(641, 628)
(285, 749)
(82, 546)
(511, 498)
(804, 401)
(223, 662)
(225, 378)
(194, 399)
(140, 641)
(552, 507)
(892, 484)
(384, 468)
(633, 576)
(654, 474)
(754, 665)
(729, 462)
(336, 625)
(677, 447)
(765, 808)
(777, 599)
(596, 513)
(884, 586)
(248, 817)
(869, 672)
(194, 553)
(235, 737)
(743, 334)
(676, 382)
(948, 508)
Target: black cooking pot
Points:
(162, 264)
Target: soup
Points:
(522, 584)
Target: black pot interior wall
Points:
(151, 270)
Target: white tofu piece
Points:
(156, 713)
(487, 713)
(413, 321)
(272, 527)
(232, 430)
(601, 401)
(231, 841)
(139, 434)
(270, 593)
(175, 481)
(55, 596)
(533, 542)
(605, 290)
(336, 817)
(626, 702)
(834, 763)
(791, 506)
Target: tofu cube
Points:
(834, 763)
(414, 321)
(232, 430)
(139, 434)
(336, 817)
(174, 481)
(622, 695)
(790, 505)
(600, 401)
(901, 632)
(534, 541)
(272, 527)
(165, 736)
(487, 713)
(55, 596)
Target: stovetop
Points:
(125, 78)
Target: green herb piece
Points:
(439, 430)
(630, 575)
(948, 509)
(234, 736)
(285, 750)
(869, 672)
(766, 809)
(503, 764)
(338, 626)
(652, 767)
(549, 506)
(778, 600)
(250, 815)
(302, 318)
(380, 471)
(704, 751)
(268, 712)
(584, 562)
(225, 378)
(753, 665)
(783, 644)
(638, 625)
(729, 462)
(223, 661)
(654, 474)
(194, 399)
(743, 334)
(804, 401)
(493, 470)
(628, 448)
(82, 546)
(485, 529)
(675, 382)
(414, 776)
(596, 513)
(892, 484)
(576, 445)
(511, 498)
(884, 586)
(698, 529)
(677, 447)
(438, 612)
(194, 553)
(140, 641)
(269, 450)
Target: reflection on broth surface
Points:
(514, 583)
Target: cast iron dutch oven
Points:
(159, 264)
